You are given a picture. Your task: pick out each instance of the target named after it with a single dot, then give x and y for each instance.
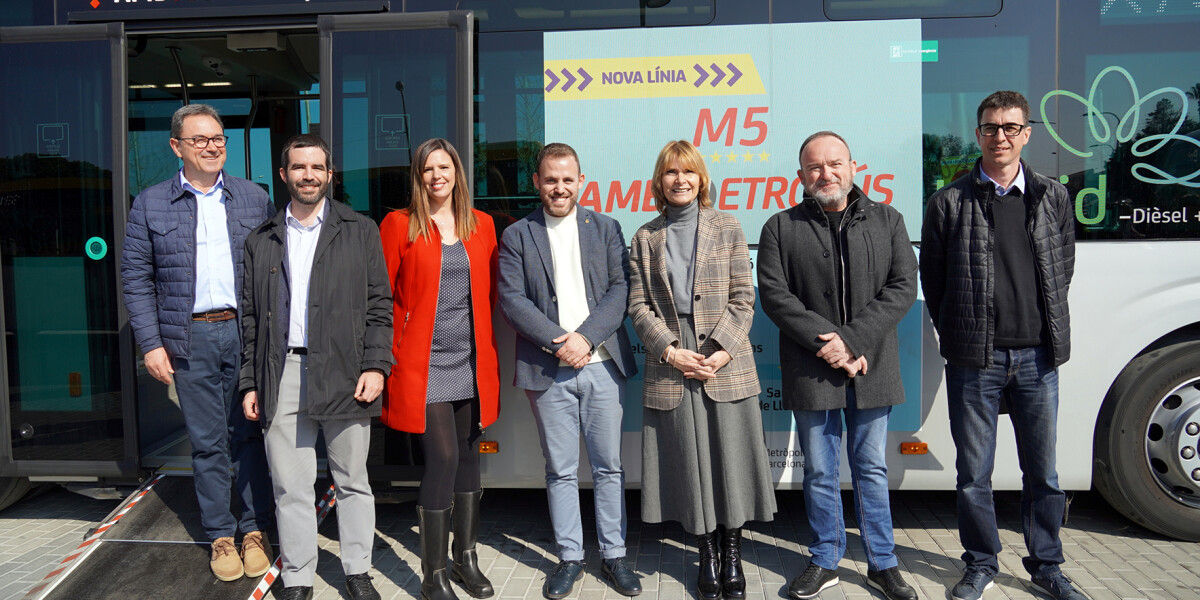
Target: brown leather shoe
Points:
(225, 563)
(256, 555)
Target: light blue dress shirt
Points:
(301, 249)
(1018, 183)
(214, 258)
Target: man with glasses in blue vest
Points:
(182, 270)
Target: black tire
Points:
(13, 489)
(1142, 463)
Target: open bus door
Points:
(389, 82)
(66, 406)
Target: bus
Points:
(88, 88)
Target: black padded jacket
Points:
(958, 272)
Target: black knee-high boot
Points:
(435, 537)
(733, 579)
(466, 534)
(709, 582)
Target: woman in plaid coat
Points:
(691, 299)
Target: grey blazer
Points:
(723, 308)
(529, 303)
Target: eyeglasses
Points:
(201, 142)
(1010, 129)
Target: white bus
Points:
(88, 88)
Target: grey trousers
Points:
(292, 455)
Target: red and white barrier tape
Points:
(72, 560)
(326, 503)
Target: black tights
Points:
(451, 456)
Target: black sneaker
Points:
(562, 579)
(296, 593)
(622, 578)
(359, 587)
(812, 581)
(891, 584)
(972, 585)
(1058, 586)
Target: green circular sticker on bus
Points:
(96, 248)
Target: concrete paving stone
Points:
(1176, 589)
(518, 587)
(1186, 577)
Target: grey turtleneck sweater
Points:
(682, 225)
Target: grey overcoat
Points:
(798, 291)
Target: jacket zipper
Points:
(842, 259)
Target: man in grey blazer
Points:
(564, 285)
(836, 273)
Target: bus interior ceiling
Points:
(257, 79)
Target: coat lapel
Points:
(329, 229)
(658, 262)
(592, 253)
(541, 241)
(706, 239)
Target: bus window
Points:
(551, 15)
(854, 10)
(1128, 130)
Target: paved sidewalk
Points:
(1107, 556)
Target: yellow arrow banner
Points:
(652, 77)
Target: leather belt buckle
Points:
(215, 316)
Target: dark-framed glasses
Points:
(1009, 129)
(201, 142)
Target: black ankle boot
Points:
(466, 534)
(733, 580)
(709, 582)
(435, 537)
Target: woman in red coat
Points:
(441, 257)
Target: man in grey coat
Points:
(317, 325)
(564, 286)
(836, 273)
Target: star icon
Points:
(747, 157)
(732, 157)
(716, 157)
(763, 156)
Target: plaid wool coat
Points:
(722, 308)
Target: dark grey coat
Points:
(530, 304)
(797, 286)
(958, 273)
(349, 314)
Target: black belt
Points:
(298, 351)
(215, 316)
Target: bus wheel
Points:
(12, 489)
(1147, 444)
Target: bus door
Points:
(389, 82)
(263, 82)
(65, 404)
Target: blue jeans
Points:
(820, 435)
(220, 435)
(586, 401)
(1029, 380)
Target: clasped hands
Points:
(838, 355)
(694, 365)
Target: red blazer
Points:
(414, 268)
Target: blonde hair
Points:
(460, 198)
(686, 155)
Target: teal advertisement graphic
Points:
(746, 96)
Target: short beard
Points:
(827, 200)
(570, 207)
(294, 190)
